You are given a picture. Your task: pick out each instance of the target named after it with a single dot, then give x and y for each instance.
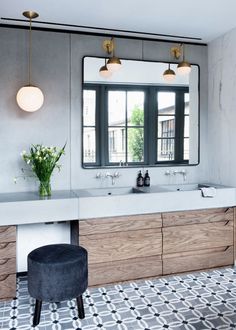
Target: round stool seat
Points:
(57, 272)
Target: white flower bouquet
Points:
(43, 160)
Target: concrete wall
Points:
(222, 109)
(57, 70)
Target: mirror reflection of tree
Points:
(136, 135)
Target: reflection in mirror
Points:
(136, 118)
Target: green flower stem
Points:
(45, 188)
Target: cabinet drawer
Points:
(184, 262)
(116, 224)
(197, 237)
(7, 266)
(197, 216)
(118, 271)
(7, 250)
(7, 234)
(122, 245)
(8, 286)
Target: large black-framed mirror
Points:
(136, 118)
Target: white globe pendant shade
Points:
(114, 64)
(169, 75)
(184, 68)
(104, 72)
(30, 98)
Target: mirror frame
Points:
(138, 165)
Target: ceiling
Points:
(204, 19)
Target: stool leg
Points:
(37, 312)
(80, 306)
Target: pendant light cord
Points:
(30, 44)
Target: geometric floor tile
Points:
(196, 301)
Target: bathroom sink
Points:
(107, 191)
(115, 191)
(182, 187)
(172, 188)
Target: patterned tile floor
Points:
(197, 301)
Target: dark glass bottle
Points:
(146, 179)
(140, 180)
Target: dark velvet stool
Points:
(57, 272)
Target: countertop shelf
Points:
(65, 205)
(34, 196)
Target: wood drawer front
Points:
(122, 245)
(116, 224)
(8, 286)
(7, 266)
(7, 234)
(118, 271)
(7, 250)
(184, 262)
(197, 216)
(197, 237)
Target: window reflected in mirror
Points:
(125, 126)
(135, 121)
(89, 126)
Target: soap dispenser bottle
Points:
(146, 179)
(140, 180)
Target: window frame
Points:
(126, 88)
(150, 125)
(179, 124)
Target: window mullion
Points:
(150, 126)
(179, 129)
(104, 125)
(126, 129)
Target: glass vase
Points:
(45, 188)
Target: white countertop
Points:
(23, 208)
(26, 208)
(151, 202)
(34, 196)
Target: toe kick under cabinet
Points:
(141, 246)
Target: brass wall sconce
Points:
(183, 68)
(114, 63)
(30, 98)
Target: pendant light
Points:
(183, 67)
(169, 74)
(30, 98)
(104, 72)
(114, 63)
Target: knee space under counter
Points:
(31, 236)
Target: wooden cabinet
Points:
(7, 262)
(197, 239)
(148, 245)
(122, 248)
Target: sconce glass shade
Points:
(30, 98)
(184, 68)
(104, 72)
(113, 64)
(169, 75)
